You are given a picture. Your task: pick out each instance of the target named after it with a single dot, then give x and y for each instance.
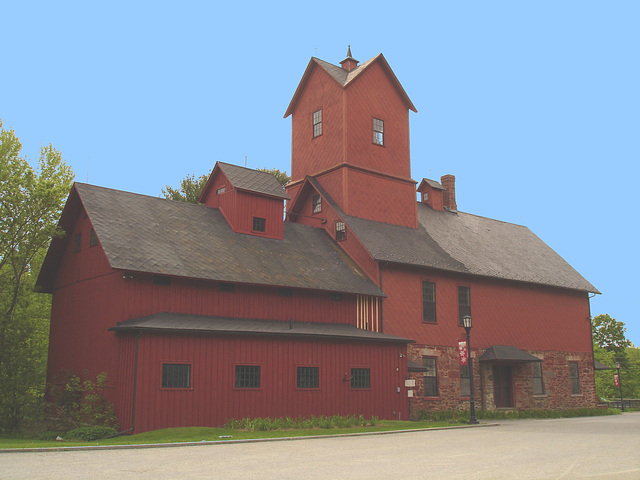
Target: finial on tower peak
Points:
(349, 63)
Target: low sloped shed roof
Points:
(186, 323)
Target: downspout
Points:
(593, 353)
(135, 382)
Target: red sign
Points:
(616, 380)
(463, 355)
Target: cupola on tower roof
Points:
(349, 63)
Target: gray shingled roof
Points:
(253, 180)
(341, 75)
(465, 243)
(187, 323)
(150, 234)
(507, 354)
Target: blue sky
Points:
(533, 106)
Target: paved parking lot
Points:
(594, 447)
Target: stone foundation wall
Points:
(555, 374)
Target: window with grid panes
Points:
(247, 376)
(77, 242)
(378, 131)
(308, 377)
(317, 204)
(317, 123)
(429, 302)
(176, 375)
(341, 231)
(259, 224)
(430, 377)
(464, 303)
(360, 378)
(93, 240)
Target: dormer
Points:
(251, 201)
(431, 193)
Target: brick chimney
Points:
(449, 183)
(349, 63)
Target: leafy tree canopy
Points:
(191, 186)
(31, 201)
(609, 334)
(189, 190)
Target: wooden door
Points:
(502, 387)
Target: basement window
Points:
(378, 131)
(308, 377)
(77, 242)
(316, 204)
(317, 123)
(161, 280)
(341, 231)
(575, 378)
(176, 375)
(538, 383)
(247, 376)
(259, 224)
(465, 381)
(430, 377)
(360, 378)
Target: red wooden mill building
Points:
(202, 313)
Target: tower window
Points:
(378, 131)
(341, 231)
(317, 123)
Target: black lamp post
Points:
(466, 322)
(620, 385)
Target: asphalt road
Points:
(593, 447)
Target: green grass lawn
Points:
(198, 434)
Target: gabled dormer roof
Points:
(247, 179)
(345, 77)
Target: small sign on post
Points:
(463, 354)
(410, 382)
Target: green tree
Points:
(30, 204)
(282, 177)
(609, 334)
(191, 187)
(189, 190)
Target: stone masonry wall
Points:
(555, 373)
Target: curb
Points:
(228, 442)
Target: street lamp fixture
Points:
(466, 322)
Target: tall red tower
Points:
(350, 130)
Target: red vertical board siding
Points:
(141, 297)
(504, 313)
(312, 155)
(213, 398)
